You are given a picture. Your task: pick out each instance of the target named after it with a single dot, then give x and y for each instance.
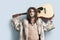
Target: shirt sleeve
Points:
(25, 25)
(39, 25)
(16, 23)
(48, 26)
(40, 29)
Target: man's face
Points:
(32, 13)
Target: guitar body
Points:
(47, 12)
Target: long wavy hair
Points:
(28, 14)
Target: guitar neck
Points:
(18, 14)
(22, 13)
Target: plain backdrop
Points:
(10, 7)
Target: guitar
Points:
(46, 11)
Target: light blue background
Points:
(10, 7)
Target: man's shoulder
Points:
(25, 21)
(39, 21)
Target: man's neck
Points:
(32, 20)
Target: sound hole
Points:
(39, 9)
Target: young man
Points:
(31, 27)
